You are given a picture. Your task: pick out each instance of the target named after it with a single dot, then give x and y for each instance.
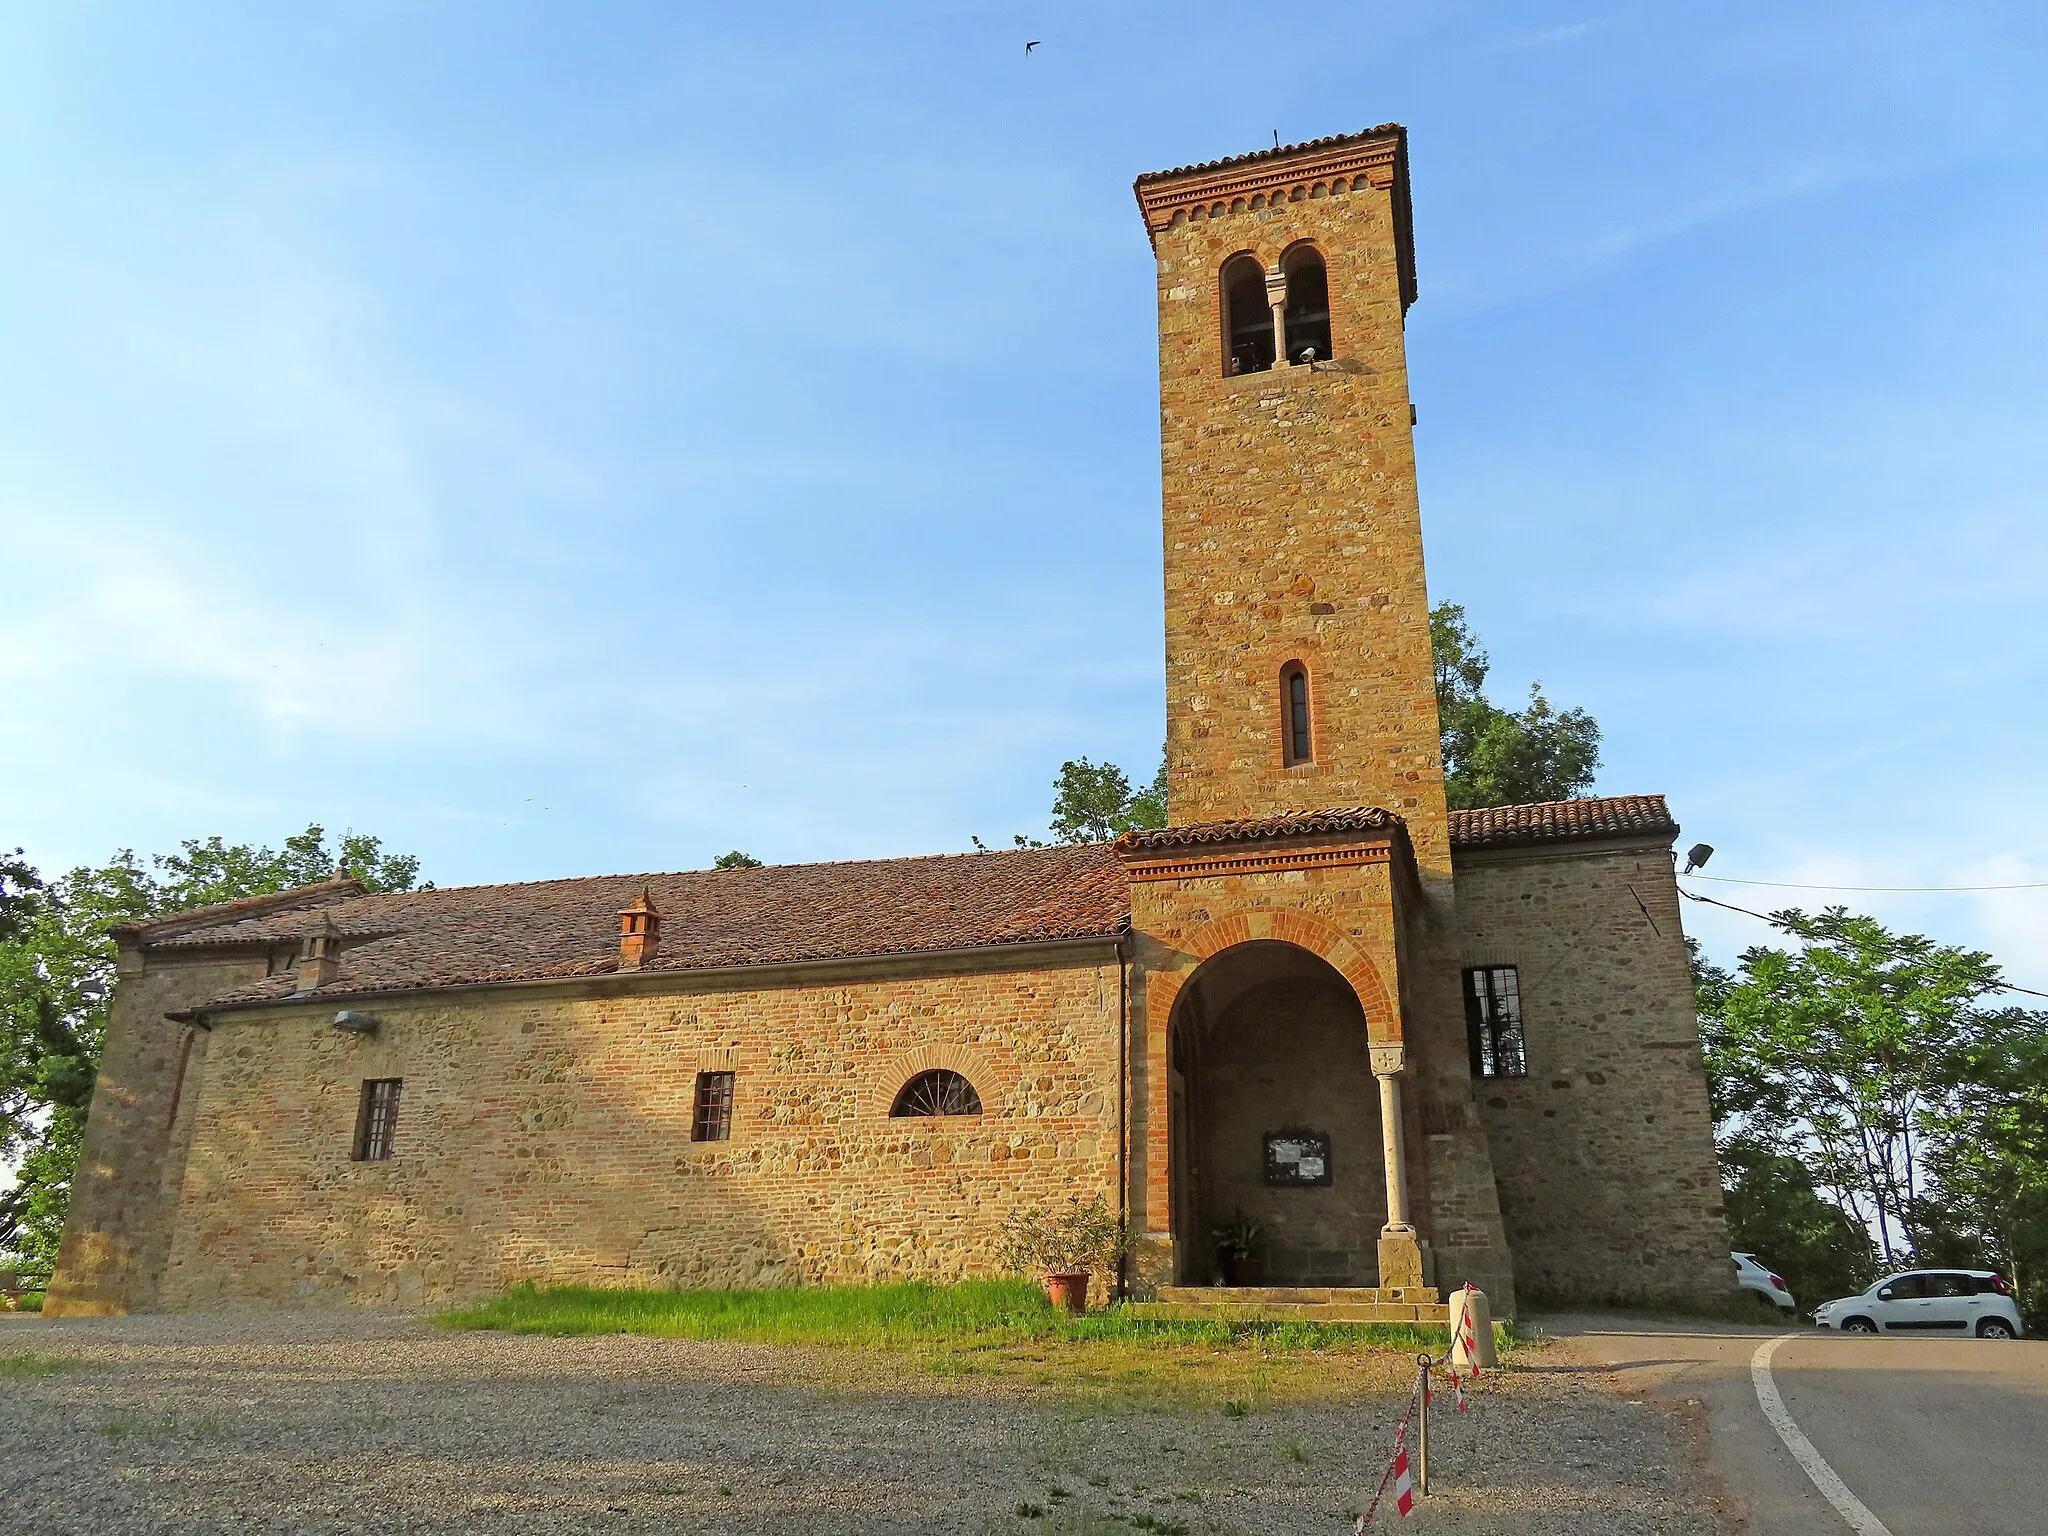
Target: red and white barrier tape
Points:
(1420, 1392)
(1397, 1467)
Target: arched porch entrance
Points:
(1274, 1115)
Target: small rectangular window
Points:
(1296, 745)
(713, 1120)
(377, 1119)
(1493, 1022)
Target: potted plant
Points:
(1067, 1246)
(1240, 1250)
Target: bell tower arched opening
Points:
(1274, 1118)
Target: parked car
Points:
(1751, 1275)
(1929, 1301)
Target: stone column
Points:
(1276, 295)
(1400, 1253)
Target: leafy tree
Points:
(1774, 1211)
(201, 873)
(57, 977)
(735, 860)
(1846, 1048)
(1989, 1157)
(1095, 802)
(1494, 756)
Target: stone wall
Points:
(546, 1137)
(1292, 532)
(1290, 1054)
(1345, 913)
(132, 1161)
(1604, 1152)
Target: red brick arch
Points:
(1344, 953)
(888, 1081)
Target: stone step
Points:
(1344, 1295)
(1292, 1312)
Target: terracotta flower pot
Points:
(1068, 1289)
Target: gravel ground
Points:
(376, 1421)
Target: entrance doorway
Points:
(1273, 1118)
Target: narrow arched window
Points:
(937, 1092)
(1308, 306)
(1247, 317)
(1299, 746)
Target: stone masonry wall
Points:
(1346, 915)
(546, 1137)
(1604, 1152)
(1292, 532)
(119, 1229)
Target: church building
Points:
(1416, 1046)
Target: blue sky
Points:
(570, 439)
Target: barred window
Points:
(713, 1120)
(377, 1119)
(937, 1093)
(1493, 1022)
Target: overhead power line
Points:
(1764, 918)
(1786, 885)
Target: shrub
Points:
(1082, 1234)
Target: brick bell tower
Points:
(1304, 761)
(1293, 535)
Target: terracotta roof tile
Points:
(1331, 142)
(1560, 821)
(471, 935)
(246, 909)
(1357, 818)
(467, 935)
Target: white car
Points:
(1752, 1276)
(1929, 1301)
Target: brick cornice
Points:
(1377, 157)
(1251, 861)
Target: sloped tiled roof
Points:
(1561, 821)
(711, 919)
(468, 935)
(299, 898)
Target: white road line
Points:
(1831, 1486)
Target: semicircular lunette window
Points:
(937, 1092)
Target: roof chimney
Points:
(319, 955)
(639, 932)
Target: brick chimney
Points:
(319, 955)
(639, 932)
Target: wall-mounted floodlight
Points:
(1696, 857)
(356, 1023)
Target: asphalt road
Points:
(1934, 1436)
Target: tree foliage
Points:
(57, 977)
(735, 860)
(1861, 1063)
(1844, 1043)
(1093, 803)
(1494, 756)
(1774, 1211)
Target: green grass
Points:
(33, 1365)
(980, 1334)
(909, 1315)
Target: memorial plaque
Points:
(1298, 1158)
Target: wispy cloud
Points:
(1549, 36)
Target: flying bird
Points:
(1031, 45)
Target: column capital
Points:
(1388, 1057)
